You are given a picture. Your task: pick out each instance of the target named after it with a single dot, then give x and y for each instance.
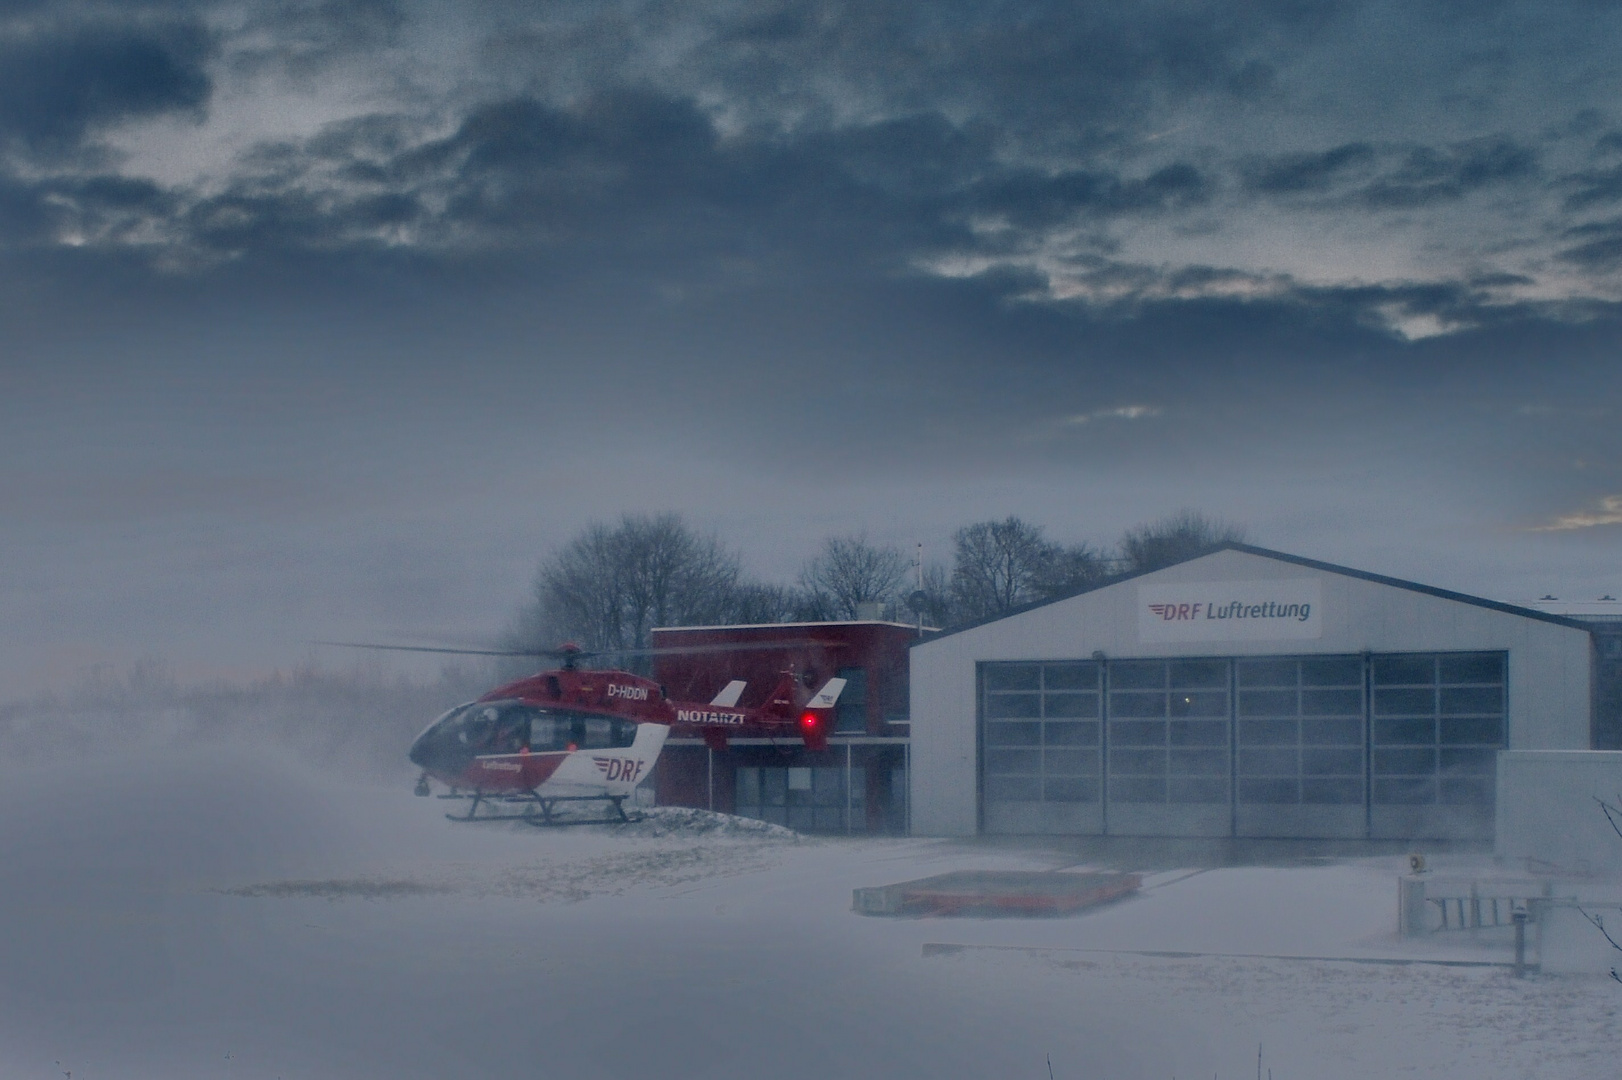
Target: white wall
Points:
(1548, 662)
(1547, 813)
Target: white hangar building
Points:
(1243, 693)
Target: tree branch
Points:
(1613, 814)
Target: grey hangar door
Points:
(1399, 746)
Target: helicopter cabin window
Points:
(550, 730)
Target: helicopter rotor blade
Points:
(453, 652)
(731, 646)
(587, 654)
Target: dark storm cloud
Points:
(60, 82)
(1046, 74)
(1032, 199)
(103, 209)
(305, 38)
(1594, 187)
(1022, 144)
(1428, 175)
(1600, 247)
(628, 167)
(361, 144)
(1291, 174)
(642, 173)
(1600, 184)
(1382, 178)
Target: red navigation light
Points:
(811, 730)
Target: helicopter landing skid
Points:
(538, 810)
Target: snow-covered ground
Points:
(237, 915)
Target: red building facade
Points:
(857, 784)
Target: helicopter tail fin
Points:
(827, 696)
(730, 693)
(816, 718)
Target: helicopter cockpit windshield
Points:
(491, 728)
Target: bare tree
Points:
(758, 602)
(1613, 815)
(674, 575)
(850, 571)
(1184, 535)
(938, 605)
(609, 586)
(578, 593)
(999, 566)
(1071, 570)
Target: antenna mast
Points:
(918, 608)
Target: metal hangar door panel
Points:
(1437, 722)
(1301, 739)
(1041, 748)
(1169, 739)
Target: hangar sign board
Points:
(1231, 611)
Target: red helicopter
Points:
(575, 735)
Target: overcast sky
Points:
(331, 319)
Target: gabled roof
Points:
(1298, 560)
